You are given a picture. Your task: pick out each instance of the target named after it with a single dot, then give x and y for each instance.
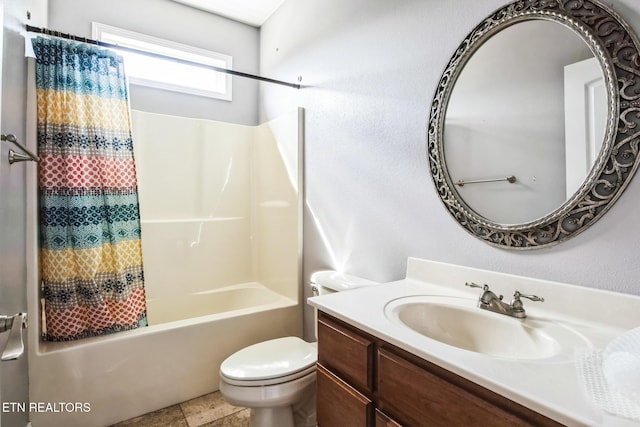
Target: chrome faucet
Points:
(492, 302)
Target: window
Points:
(164, 73)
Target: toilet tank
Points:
(328, 281)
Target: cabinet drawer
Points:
(383, 421)
(339, 405)
(415, 397)
(346, 353)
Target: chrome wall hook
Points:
(18, 157)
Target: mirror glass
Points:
(510, 116)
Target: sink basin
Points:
(459, 323)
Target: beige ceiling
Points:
(252, 12)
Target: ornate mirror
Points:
(533, 132)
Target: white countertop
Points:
(548, 386)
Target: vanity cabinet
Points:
(364, 381)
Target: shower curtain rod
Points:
(67, 36)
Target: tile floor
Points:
(210, 410)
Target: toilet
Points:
(276, 378)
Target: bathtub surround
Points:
(90, 251)
(226, 216)
(221, 239)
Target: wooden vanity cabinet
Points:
(364, 381)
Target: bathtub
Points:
(100, 381)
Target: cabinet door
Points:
(339, 405)
(416, 397)
(345, 353)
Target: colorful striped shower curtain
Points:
(90, 248)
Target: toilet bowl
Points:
(276, 378)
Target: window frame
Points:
(181, 51)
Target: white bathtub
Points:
(100, 381)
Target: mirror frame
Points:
(616, 48)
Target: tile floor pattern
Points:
(210, 410)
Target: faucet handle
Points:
(487, 295)
(516, 305)
(484, 287)
(517, 295)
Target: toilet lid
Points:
(270, 359)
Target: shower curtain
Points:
(90, 249)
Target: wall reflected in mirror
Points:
(511, 113)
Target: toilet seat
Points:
(270, 362)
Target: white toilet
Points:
(276, 378)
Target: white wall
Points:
(372, 67)
(173, 21)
